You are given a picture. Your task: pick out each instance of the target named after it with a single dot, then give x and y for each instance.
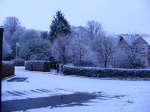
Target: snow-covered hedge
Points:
(37, 65)
(105, 72)
(8, 68)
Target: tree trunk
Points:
(105, 64)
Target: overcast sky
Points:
(116, 16)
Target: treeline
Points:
(81, 46)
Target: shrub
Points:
(8, 68)
(106, 72)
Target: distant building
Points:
(140, 42)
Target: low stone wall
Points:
(106, 72)
(8, 68)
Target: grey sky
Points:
(116, 16)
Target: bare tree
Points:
(120, 58)
(11, 28)
(134, 56)
(80, 53)
(11, 24)
(105, 49)
(30, 34)
(95, 29)
(102, 44)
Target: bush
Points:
(19, 62)
(37, 65)
(8, 68)
(106, 72)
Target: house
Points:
(140, 44)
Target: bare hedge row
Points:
(106, 72)
(8, 68)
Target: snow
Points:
(101, 68)
(136, 99)
(130, 39)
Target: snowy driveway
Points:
(51, 92)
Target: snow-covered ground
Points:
(135, 94)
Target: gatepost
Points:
(1, 49)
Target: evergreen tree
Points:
(59, 26)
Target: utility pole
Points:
(1, 49)
(17, 49)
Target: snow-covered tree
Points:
(74, 48)
(101, 43)
(104, 46)
(59, 26)
(6, 50)
(30, 34)
(120, 59)
(16, 38)
(80, 53)
(35, 49)
(11, 25)
(59, 48)
(95, 29)
(12, 32)
(44, 35)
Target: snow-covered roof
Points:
(130, 39)
(147, 39)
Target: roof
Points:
(129, 38)
(147, 39)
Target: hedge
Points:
(8, 68)
(37, 65)
(106, 72)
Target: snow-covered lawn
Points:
(134, 95)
